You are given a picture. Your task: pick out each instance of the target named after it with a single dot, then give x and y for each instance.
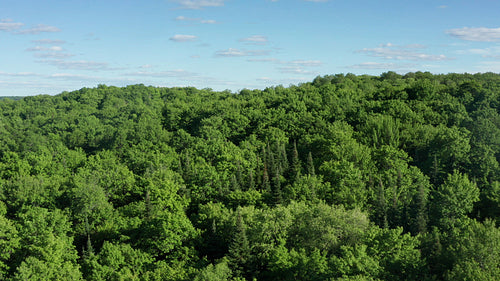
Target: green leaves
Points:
(344, 178)
(453, 200)
(118, 262)
(47, 252)
(474, 249)
(9, 242)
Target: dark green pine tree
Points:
(435, 171)
(149, 205)
(239, 249)
(421, 217)
(89, 259)
(394, 213)
(381, 207)
(283, 159)
(235, 185)
(310, 164)
(239, 174)
(271, 159)
(295, 169)
(277, 192)
(251, 180)
(258, 173)
(432, 249)
(188, 171)
(266, 185)
(180, 170)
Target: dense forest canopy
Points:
(344, 178)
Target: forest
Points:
(346, 177)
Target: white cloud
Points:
(200, 20)
(39, 48)
(230, 53)
(171, 73)
(18, 74)
(303, 63)
(49, 52)
(70, 76)
(49, 42)
(179, 74)
(265, 60)
(255, 39)
(308, 63)
(9, 25)
(394, 52)
(80, 65)
(240, 53)
(292, 67)
(56, 75)
(183, 18)
(54, 55)
(480, 34)
(199, 4)
(493, 52)
(408, 46)
(386, 45)
(317, 1)
(25, 84)
(265, 78)
(295, 70)
(183, 38)
(284, 81)
(489, 66)
(39, 29)
(377, 65)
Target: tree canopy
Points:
(390, 177)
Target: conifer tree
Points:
(381, 207)
(234, 183)
(295, 162)
(310, 164)
(239, 174)
(188, 171)
(421, 219)
(239, 249)
(283, 159)
(266, 186)
(271, 159)
(251, 180)
(277, 192)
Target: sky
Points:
(47, 47)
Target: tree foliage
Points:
(390, 177)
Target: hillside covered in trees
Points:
(343, 178)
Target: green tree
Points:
(218, 272)
(474, 249)
(453, 200)
(239, 249)
(9, 242)
(47, 251)
(118, 262)
(166, 227)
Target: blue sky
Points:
(47, 47)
